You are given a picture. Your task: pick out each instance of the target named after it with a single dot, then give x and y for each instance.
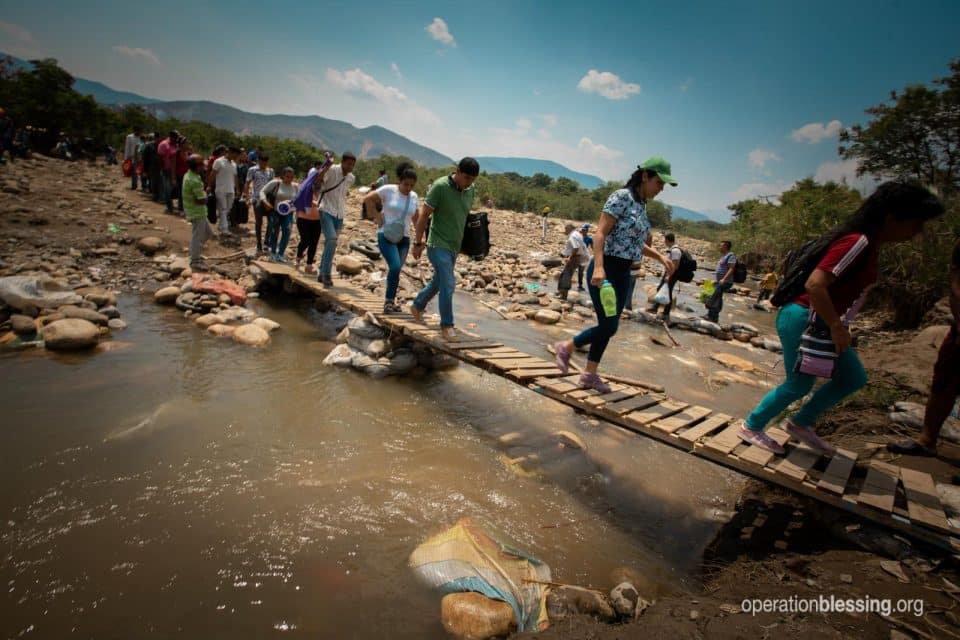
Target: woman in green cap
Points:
(620, 239)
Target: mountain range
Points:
(530, 166)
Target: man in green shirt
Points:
(445, 208)
(195, 209)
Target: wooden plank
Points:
(615, 396)
(685, 418)
(656, 412)
(474, 344)
(706, 427)
(518, 363)
(557, 386)
(879, 487)
(528, 374)
(725, 441)
(584, 394)
(760, 456)
(834, 479)
(506, 354)
(630, 404)
(923, 504)
(797, 463)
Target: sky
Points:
(743, 98)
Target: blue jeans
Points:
(848, 377)
(618, 275)
(714, 312)
(443, 282)
(278, 225)
(394, 254)
(168, 187)
(330, 227)
(133, 177)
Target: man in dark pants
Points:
(674, 253)
(724, 281)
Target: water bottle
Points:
(608, 298)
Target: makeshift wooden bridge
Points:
(896, 497)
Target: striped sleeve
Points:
(843, 253)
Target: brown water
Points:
(187, 486)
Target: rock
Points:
(235, 314)
(266, 324)
(341, 356)
(931, 337)
(474, 616)
(546, 316)
(178, 266)
(84, 314)
(624, 598)
(251, 335)
(116, 324)
(365, 329)
(29, 294)
(23, 325)
(98, 296)
(70, 334)
(343, 336)
(167, 295)
(375, 368)
(743, 327)
(568, 600)
(223, 299)
(349, 265)
(569, 439)
(150, 244)
(772, 344)
(221, 330)
(402, 362)
(208, 320)
(110, 311)
(846, 577)
(47, 319)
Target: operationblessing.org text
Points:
(832, 604)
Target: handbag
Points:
(393, 232)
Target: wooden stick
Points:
(490, 306)
(670, 335)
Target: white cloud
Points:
(439, 31)
(136, 52)
(543, 133)
(598, 151)
(759, 158)
(815, 132)
(17, 40)
(549, 120)
(607, 84)
(357, 82)
(396, 70)
(753, 190)
(523, 124)
(360, 84)
(17, 32)
(844, 171)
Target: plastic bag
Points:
(706, 290)
(663, 294)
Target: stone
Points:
(98, 296)
(251, 335)
(547, 316)
(569, 600)
(343, 336)
(223, 299)
(116, 324)
(474, 616)
(402, 362)
(70, 311)
(177, 266)
(349, 265)
(110, 311)
(23, 325)
(208, 320)
(571, 440)
(167, 295)
(149, 245)
(624, 598)
(846, 577)
(266, 324)
(70, 334)
(221, 330)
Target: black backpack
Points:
(476, 236)
(740, 272)
(687, 267)
(797, 267)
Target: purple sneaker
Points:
(759, 439)
(563, 356)
(809, 437)
(593, 381)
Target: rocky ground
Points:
(79, 224)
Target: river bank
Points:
(775, 545)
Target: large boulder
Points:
(251, 335)
(36, 292)
(70, 334)
(167, 295)
(341, 356)
(402, 362)
(221, 330)
(84, 314)
(149, 245)
(349, 265)
(363, 328)
(23, 325)
(547, 316)
(474, 616)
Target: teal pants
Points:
(848, 377)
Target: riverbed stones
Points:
(98, 296)
(266, 324)
(474, 616)
(22, 325)
(340, 356)
(70, 311)
(70, 334)
(349, 265)
(110, 311)
(547, 316)
(167, 295)
(251, 335)
(207, 320)
(569, 600)
(221, 330)
(116, 324)
(149, 245)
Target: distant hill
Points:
(530, 166)
(105, 95)
(689, 214)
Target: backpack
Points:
(797, 267)
(739, 272)
(476, 236)
(687, 267)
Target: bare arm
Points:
(370, 202)
(667, 263)
(604, 227)
(423, 219)
(818, 288)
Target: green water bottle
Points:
(608, 298)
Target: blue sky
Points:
(743, 98)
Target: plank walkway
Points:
(898, 498)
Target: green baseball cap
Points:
(661, 167)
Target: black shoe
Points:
(326, 281)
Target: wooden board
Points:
(879, 487)
(584, 394)
(725, 441)
(760, 456)
(557, 386)
(615, 396)
(472, 344)
(519, 363)
(706, 427)
(661, 410)
(834, 479)
(687, 417)
(798, 462)
(529, 374)
(630, 404)
(923, 503)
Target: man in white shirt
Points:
(577, 255)
(333, 203)
(674, 253)
(130, 146)
(223, 180)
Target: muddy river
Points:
(189, 486)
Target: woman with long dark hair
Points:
(399, 210)
(621, 238)
(814, 325)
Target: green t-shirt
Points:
(192, 190)
(450, 208)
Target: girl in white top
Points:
(275, 192)
(399, 210)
